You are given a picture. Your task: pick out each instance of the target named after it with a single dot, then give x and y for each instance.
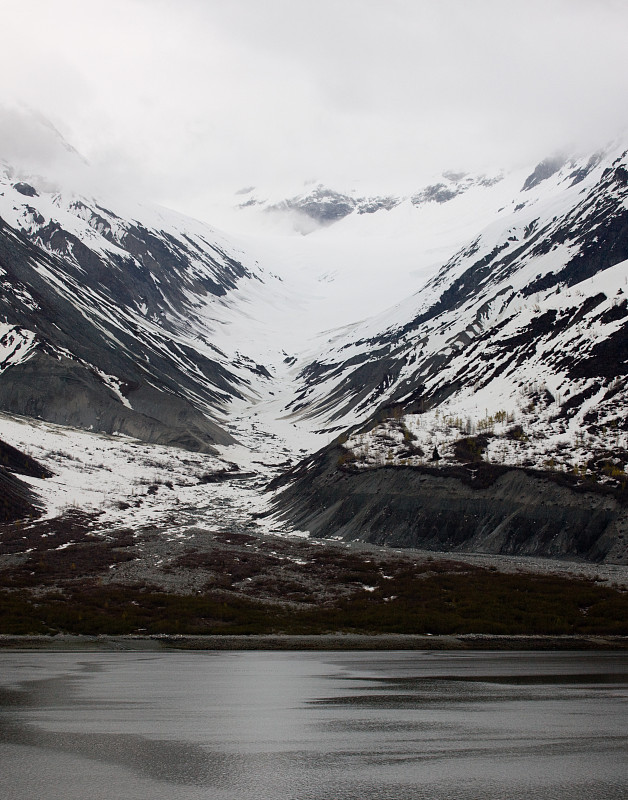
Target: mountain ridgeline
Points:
(486, 411)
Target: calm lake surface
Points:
(313, 726)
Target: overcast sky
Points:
(190, 99)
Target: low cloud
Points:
(189, 103)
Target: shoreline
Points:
(338, 641)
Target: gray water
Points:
(313, 726)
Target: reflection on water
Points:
(314, 726)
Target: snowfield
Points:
(121, 482)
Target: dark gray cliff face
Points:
(480, 509)
(17, 499)
(66, 392)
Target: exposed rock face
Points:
(543, 171)
(479, 508)
(17, 499)
(323, 205)
(326, 206)
(14, 460)
(68, 393)
(26, 189)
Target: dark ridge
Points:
(17, 499)
(26, 189)
(15, 460)
(544, 170)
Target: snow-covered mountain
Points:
(108, 318)
(131, 319)
(321, 205)
(513, 355)
(537, 296)
(477, 321)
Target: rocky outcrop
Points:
(478, 508)
(17, 499)
(543, 171)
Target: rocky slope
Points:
(477, 507)
(538, 295)
(485, 411)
